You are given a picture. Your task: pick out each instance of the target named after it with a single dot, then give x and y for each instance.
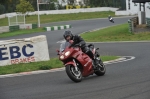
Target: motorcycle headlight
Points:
(62, 57)
(67, 53)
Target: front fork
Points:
(97, 58)
(75, 65)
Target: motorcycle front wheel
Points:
(74, 74)
(101, 69)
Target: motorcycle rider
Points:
(109, 17)
(78, 40)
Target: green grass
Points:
(44, 65)
(20, 32)
(108, 58)
(115, 33)
(62, 17)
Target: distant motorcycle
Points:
(79, 64)
(111, 19)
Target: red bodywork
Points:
(80, 58)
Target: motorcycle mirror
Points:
(57, 50)
(97, 48)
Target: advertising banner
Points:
(24, 50)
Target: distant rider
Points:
(109, 17)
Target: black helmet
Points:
(67, 33)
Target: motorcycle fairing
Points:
(86, 62)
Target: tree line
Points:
(7, 6)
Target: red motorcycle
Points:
(78, 64)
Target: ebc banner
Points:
(23, 52)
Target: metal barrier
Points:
(131, 27)
(14, 28)
(135, 21)
(132, 24)
(148, 22)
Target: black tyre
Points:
(73, 74)
(100, 68)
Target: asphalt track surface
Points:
(124, 80)
(78, 27)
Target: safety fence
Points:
(13, 28)
(53, 28)
(17, 27)
(132, 24)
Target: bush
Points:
(10, 9)
(61, 7)
(2, 9)
(52, 6)
(45, 67)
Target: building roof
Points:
(140, 1)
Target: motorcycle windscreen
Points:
(63, 46)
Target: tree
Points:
(2, 9)
(86, 2)
(71, 2)
(24, 7)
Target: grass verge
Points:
(115, 33)
(44, 65)
(20, 32)
(62, 17)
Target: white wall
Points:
(2, 16)
(66, 11)
(132, 7)
(4, 29)
(147, 10)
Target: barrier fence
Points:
(148, 22)
(132, 24)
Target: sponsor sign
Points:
(23, 51)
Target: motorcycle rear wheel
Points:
(101, 69)
(74, 75)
